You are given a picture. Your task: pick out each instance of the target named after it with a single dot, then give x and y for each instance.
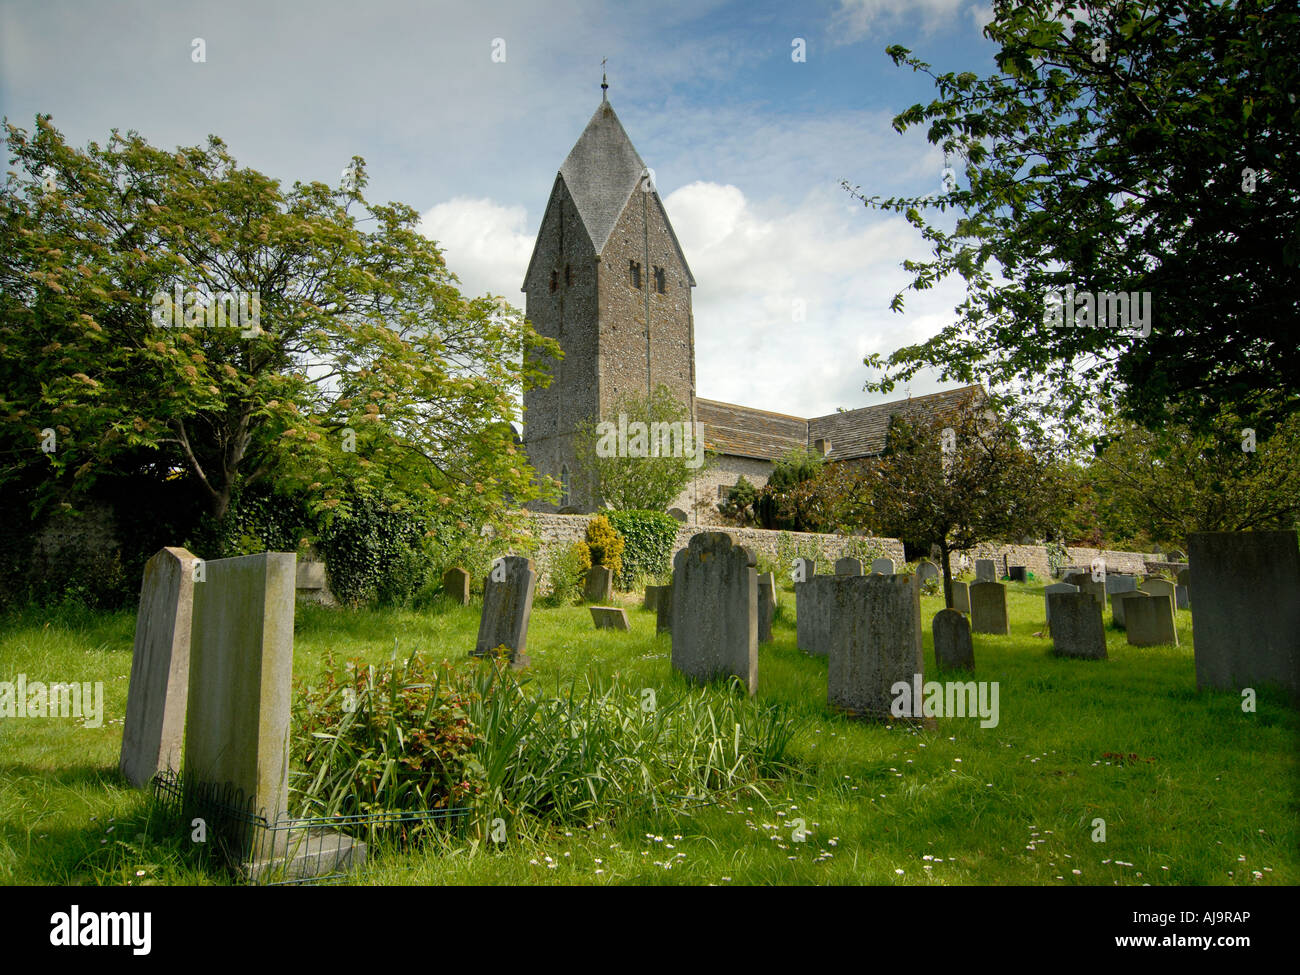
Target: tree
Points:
(641, 455)
(785, 502)
(952, 481)
(1121, 147)
(351, 362)
(738, 505)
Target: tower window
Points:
(568, 276)
(659, 280)
(634, 273)
(555, 281)
(566, 487)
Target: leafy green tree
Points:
(1121, 146)
(354, 361)
(738, 506)
(659, 456)
(784, 502)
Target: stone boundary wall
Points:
(552, 530)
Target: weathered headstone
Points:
(652, 597)
(884, 566)
(961, 596)
(154, 728)
(926, 570)
(814, 611)
(953, 649)
(848, 566)
(1116, 582)
(1160, 587)
(1054, 587)
(1017, 573)
(664, 611)
(1077, 629)
(1246, 624)
(875, 644)
(802, 570)
(988, 608)
(1182, 589)
(1096, 588)
(1117, 604)
(455, 584)
(986, 570)
(766, 606)
(609, 617)
(599, 587)
(1149, 620)
(715, 611)
(507, 606)
(311, 575)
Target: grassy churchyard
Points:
(1096, 772)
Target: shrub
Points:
(374, 549)
(606, 544)
(648, 537)
(566, 568)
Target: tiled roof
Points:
(601, 171)
(741, 431)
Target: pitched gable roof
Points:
(744, 432)
(862, 432)
(601, 171)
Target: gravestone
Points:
(926, 570)
(652, 595)
(1246, 625)
(310, 575)
(961, 596)
(1017, 573)
(1096, 588)
(766, 606)
(679, 514)
(664, 611)
(599, 587)
(1160, 587)
(988, 608)
(1117, 603)
(1120, 583)
(609, 617)
(455, 583)
(848, 566)
(883, 566)
(507, 606)
(875, 643)
(1182, 596)
(1047, 603)
(814, 611)
(154, 728)
(986, 570)
(1077, 629)
(1149, 620)
(715, 611)
(802, 570)
(953, 649)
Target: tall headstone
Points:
(507, 607)
(600, 585)
(1246, 624)
(664, 611)
(986, 570)
(961, 596)
(1077, 629)
(1117, 603)
(875, 644)
(884, 566)
(814, 612)
(1117, 582)
(1149, 620)
(953, 649)
(1086, 583)
(988, 608)
(154, 728)
(455, 584)
(766, 606)
(241, 666)
(848, 566)
(1047, 602)
(1182, 595)
(927, 570)
(715, 611)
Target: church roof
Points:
(601, 171)
(741, 431)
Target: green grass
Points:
(1211, 797)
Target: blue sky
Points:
(748, 146)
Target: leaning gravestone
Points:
(1149, 620)
(883, 566)
(715, 611)
(1246, 625)
(455, 583)
(961, 596)
(926, 570)
(848, 566)
(1117, 603)
(1077, 629)
(1047, 603)
(160, 668)
(507, 606)
(988, 608)
(237, 725)
(609, 617)
(600, 585)
(875, 644)
(953, 649)
(664, 610)
(766, 606)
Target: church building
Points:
(609, 281)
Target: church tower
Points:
(609, 282)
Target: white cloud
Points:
(855, 19)
(485, 244)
